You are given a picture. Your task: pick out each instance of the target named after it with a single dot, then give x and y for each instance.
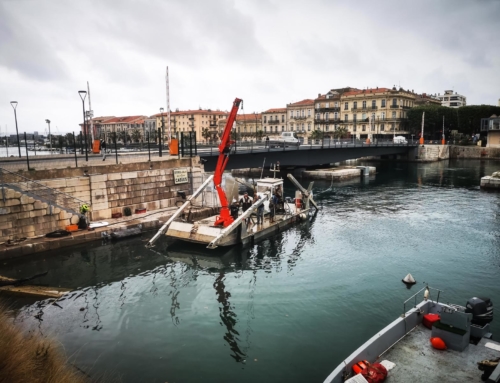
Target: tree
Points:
(340, 132)
(69, 139)
(316, 134)
(122, 135)
(136, 135)
(259, 134)
(205, 133)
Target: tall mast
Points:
(91, 114)
(168, 110)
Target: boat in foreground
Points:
(405, 349)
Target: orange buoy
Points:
(438, 343)
(360, 366)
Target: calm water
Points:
(288, 309)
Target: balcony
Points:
(299, 117)
(329, 109)
(394, 106)
(327, 121)
(355, 109)
(276, 121)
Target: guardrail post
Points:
(116, 148)
(74, 148)
(195, 146)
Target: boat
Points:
(406, 347)
(226, 229)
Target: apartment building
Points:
(274, 121)
(205, 122)
(452, 99)
(127, 128)
(327, 110)
(300, 117)
(246, 126)
(376, 113)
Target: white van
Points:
(400, 140)
(286, 139)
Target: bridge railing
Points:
(252, 147)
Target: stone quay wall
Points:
(108, 189)
(474, 152)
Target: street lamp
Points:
(161, 131)
(14, 105)
(50, 137)
(83, 94)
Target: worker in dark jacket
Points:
(245, 202)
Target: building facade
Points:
(491, 126)
(300, 117)
(377, 113)
(246, 126)
(274, 121)
(452, 99)
(127, 129)
(204, 122)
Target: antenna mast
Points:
(168, 110)
(91, 114)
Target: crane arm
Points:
(225, 218)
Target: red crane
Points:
(225, 218)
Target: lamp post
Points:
(50, 137)
(83, 94)
(14, 105)
(161, 131)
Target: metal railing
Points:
(414, 296)
(39, 191)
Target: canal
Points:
(288, 309)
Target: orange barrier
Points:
(96, 147)
(174, 147)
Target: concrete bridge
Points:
(251, 156)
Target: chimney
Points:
(319, 95)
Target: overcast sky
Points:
(267, 52)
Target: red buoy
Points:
(438, 343)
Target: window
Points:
(374, 104)
(335, 116)
(291, 114)
(265, 119)
(302, 112)
(373, 127)
(393, 115)
(373, 116)
(297, 113)
(346, 106)
(282, 118)
(383, 104)
(309, 127)
(364, 104)
(317, 105)
(326, 128)
(291, 127)
(363, 128)
(265, 129)
(363, 116)
(336, 104)
(346, 117)
(394, 102)
(327, 116)
(355, 117)
(355, 105)
(383, 116)
(318, 116)
(354, 128)
(276, 129)
(382, 127)
(303, 127)
(327, 105)
(309, 112)
(282, 128)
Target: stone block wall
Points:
(145, 189)
(24, 216)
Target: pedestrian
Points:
(260, 212)
(103, 149)
(267, 141)
(234, 209)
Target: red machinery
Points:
(225, 218)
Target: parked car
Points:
(286, 139)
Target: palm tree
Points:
(341, 132)
(136, 135)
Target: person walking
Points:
(267, 141)
(103, 149)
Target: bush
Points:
(127, 212)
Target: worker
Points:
(245, 202)
(260, 212)
(272, 208)
(235, 209)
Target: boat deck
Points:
(417, 361)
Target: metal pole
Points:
(195, 147)
(26, 144)
(83, 94)
(74, 145)
(149, 148)
(161, 131)
(50, 137)
(14, 105)
(190, 144)
(422, 133)
(116, 149)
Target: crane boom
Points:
(224, 217)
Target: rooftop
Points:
(307, 101)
